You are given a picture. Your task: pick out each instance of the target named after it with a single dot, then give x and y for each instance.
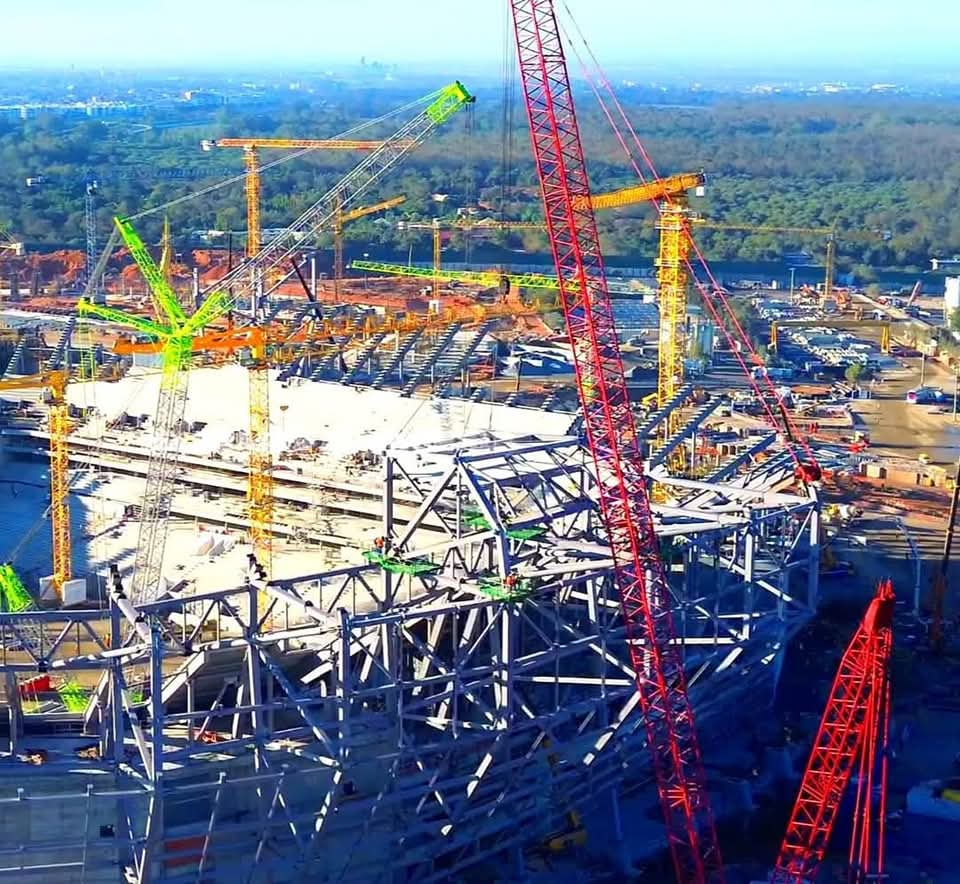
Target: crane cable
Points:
(283, 159)
(597, 74)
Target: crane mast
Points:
(611, 434)
(673, 283)
(58, 424)
(90, 228)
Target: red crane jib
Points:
(853, 727)
(612, 437)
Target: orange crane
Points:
(59, 428)
(251, 160)
(342, 218)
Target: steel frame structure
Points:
(389, 720)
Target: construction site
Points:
(408, 572)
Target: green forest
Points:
(886, 169)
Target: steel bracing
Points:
(454, 694)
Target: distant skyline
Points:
(702, 35)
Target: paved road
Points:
(900, 429)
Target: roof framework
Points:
(457, 694)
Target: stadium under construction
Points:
(332, 595)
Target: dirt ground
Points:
(900, 429)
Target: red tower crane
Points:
(853, 735)
(612, 436)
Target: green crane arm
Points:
(118, 317)
(243, 281)
(473, 277)
(164, 298)
(13, 595)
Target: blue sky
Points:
(623, 32)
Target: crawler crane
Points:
(639, 574)
(852, 738)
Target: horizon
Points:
(743, 37)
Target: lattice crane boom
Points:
(854, 727)
(244, 280)
(90, 229)
(176, 330)
(260, 466)
(58, 424)
(611, 433)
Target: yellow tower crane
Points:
(671, 193)
(832, 234)
(672, 277)
(59, 429)
(260, 466)
(251, 160)
(342, 218)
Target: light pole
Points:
(956, 389)
(923, 367)
(366, 276)
(793, 272)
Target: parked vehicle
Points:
(925, 396)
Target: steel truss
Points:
(457, 694)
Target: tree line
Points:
(886, 171)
